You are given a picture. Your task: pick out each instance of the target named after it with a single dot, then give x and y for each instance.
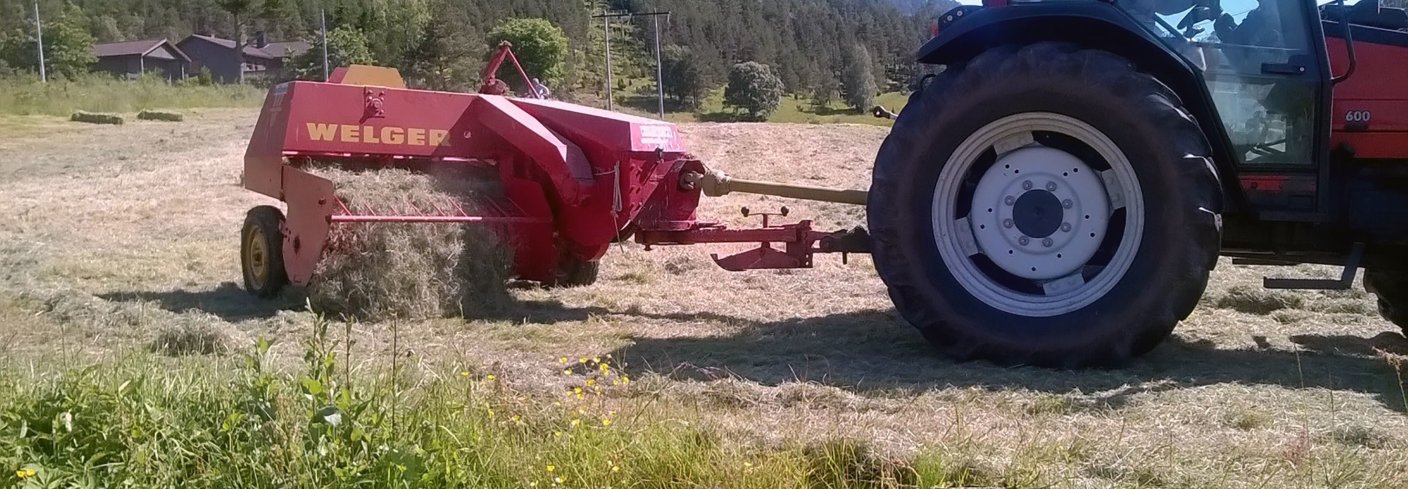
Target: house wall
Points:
(222, 62)
(131, 66)
(120, 66)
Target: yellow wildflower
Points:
(596, 359)
(579, 396)
(552, 468)
(562, 360)
(591, 382)
(576, 390)
(606, 421)
(582, 360)
(25, 473)
(557, 434)
(615, 468)
(566, 371)
(576, 422)
(464, 373)
(490, 377)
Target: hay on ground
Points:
(191, 339)
(96, 118)
(410, 270)
(158, 115)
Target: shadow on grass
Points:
(228, 301)
(875, 352)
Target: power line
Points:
(659, 68)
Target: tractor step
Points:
(1346, 280)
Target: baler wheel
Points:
(1045, 205)
(1391, 288)
(262, 251)
(575, 272)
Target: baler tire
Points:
(1390, 287)
(1165, 266)
(574, 272)
(262, 252)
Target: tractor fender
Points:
(1093, 25)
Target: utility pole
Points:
(606, 39)
(323, 38)
(39, 36)
(659, 68)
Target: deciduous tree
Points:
(753, 87)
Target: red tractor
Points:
(1059, 193)
(1056, 196)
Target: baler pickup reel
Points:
(574, 179)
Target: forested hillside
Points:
(807, 43)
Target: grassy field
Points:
(26, 96)
(130, 356)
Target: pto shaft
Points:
(717, 184)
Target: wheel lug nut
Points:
(1007, 223)
(1050, 186)
(1067, 203)
(1009, 200)
(1023, 240)
(1047, 242)
(1065, 227)
(1027, 185)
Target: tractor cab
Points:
(1263, 66)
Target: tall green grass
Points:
(147, 421)
(25, 95)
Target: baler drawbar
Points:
(575, 179)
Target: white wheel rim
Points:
(1038, 215)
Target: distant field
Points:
(790, 111)
(26, 96)
(128, 357)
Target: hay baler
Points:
(574, 179)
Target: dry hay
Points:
(96, 118)
(160, 115)
(191, 339)
(410, 270)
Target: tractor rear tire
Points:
(973, 250)
(1391, 288)
(262, 251)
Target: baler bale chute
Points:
(574, 179)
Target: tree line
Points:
(823, 49)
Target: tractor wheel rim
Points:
(1045, 230)
(256, 254)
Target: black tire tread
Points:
(1390, 287)
(270, 219)
(910, 289)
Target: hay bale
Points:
(177, 340)
(96, 118)
(157, 115)
(384, 271)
